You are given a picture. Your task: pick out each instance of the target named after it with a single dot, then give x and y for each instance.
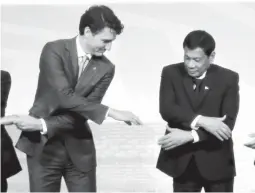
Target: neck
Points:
(83, 45)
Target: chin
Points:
(193, 74)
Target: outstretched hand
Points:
(251, 144)
(23, 122)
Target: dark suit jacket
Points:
(66, 102)
(215, 159)
(9, 162)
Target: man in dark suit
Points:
(199, 101)
(9, 162)
(74, 76)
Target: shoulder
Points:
(57, 42)
(225, 73)
(106, 62)
(56, 45)
(173, 69)
(5, 76)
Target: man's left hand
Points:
(175, 138)
(23, 122)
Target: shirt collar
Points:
(80, 52)
(202, 76)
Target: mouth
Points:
(192, 71)
(101, 51)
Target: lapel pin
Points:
(206, 88)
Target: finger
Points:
(161, 139)
(167, 144)
(227, 127)
(218, 136)
(5, 122)
(139, 122)
(170, 146)
(226, 131)
(8, 120)
(162, 142)
(222, 134)
(164, 139)
(134, 121)
(19, 127)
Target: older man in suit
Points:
(199, 100)
(74, 76)
(9, 162)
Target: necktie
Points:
(83, 60)
(198, 83)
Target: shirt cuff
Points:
(44, 131)
(106, 115)
(194, 122)
(195, 136)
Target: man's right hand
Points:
(126, 116)
(215, 126)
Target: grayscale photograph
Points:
(128, 97)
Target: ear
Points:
(87, 32)
(211, 57)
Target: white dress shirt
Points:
(194, 122)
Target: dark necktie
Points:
(198, 83)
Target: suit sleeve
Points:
(170, 111)
(229, 107)
(5, 89)
(59, 93)
(69, 120)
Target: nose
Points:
(190, 64)
(108, 46)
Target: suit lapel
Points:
(71, 51)
(188, 85)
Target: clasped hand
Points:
(175, 137)
(22, 122)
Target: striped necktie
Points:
(83, 60)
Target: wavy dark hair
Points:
(97, 18)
